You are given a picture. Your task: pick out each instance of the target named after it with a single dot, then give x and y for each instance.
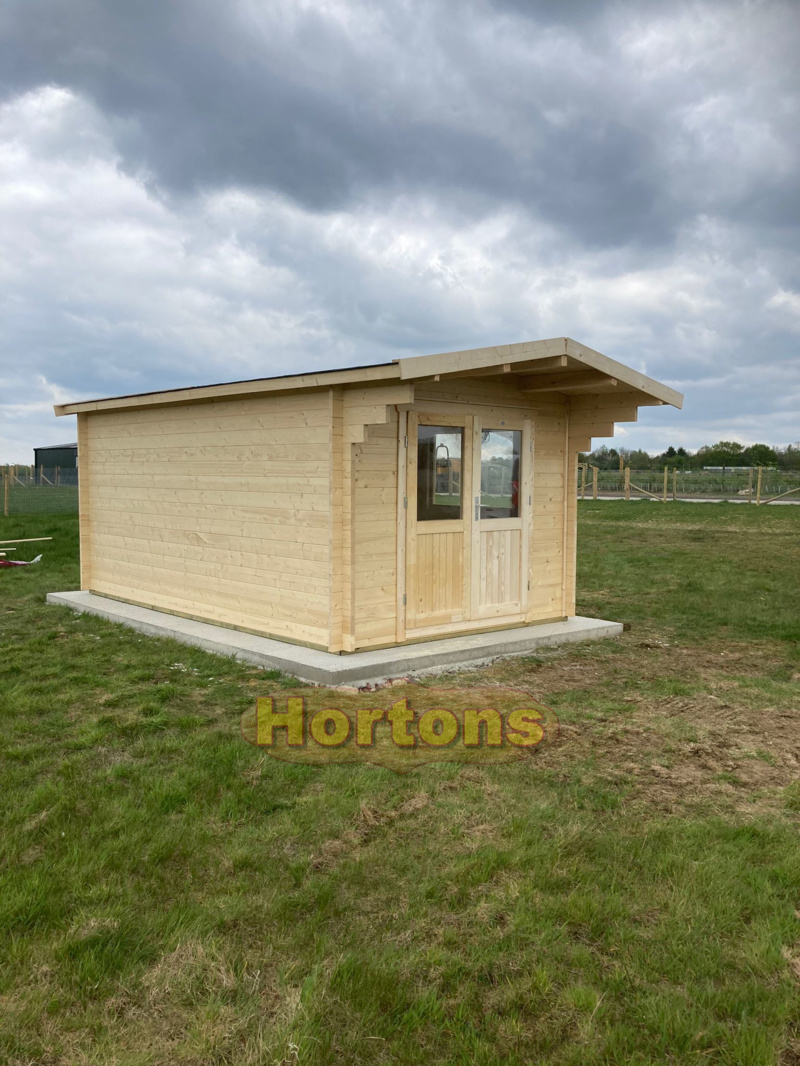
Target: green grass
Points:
(169, 894)
(701, 570)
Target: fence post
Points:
(58, 475)
(627, 482)
(666, 482)
(675, 483)
(758, 485)
(750, 486)
(594, 482)
(5, 494)
(583, 480)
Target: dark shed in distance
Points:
(64, 456)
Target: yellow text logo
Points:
(399, 729)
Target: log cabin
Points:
(358, 508)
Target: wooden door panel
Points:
(499, 588)
(438, 580)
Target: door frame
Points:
(463, 524)
(490, 416)
(522, 523)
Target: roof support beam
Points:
(561, 382)
(555, 362)
(603, 414)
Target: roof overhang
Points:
(560, 367)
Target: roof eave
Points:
(409, 369)
(234, 389)
(530, 352)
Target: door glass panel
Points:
(500, 453)
(439, 451)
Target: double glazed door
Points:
(468, 507)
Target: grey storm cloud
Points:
(193, 190)
(484, 103)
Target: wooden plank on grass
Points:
(25, 540)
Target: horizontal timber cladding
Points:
(374, 557)
(219, 511)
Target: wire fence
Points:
(39, 490)
(759, 484)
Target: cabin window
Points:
(439, 451)
(500, 453)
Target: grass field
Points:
(631, 894)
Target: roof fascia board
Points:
(235, 390)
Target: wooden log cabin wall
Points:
(355, 508)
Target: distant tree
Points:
(604, 458)
(760, 455)
(639, 460)
(699, 459)
(674, 458)
(723, 453)
(729, 447)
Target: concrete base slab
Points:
(325, 668)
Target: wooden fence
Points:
(759, 485)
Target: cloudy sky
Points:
(194, 191)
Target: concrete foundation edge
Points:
(325, 668)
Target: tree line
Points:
(725, 453)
